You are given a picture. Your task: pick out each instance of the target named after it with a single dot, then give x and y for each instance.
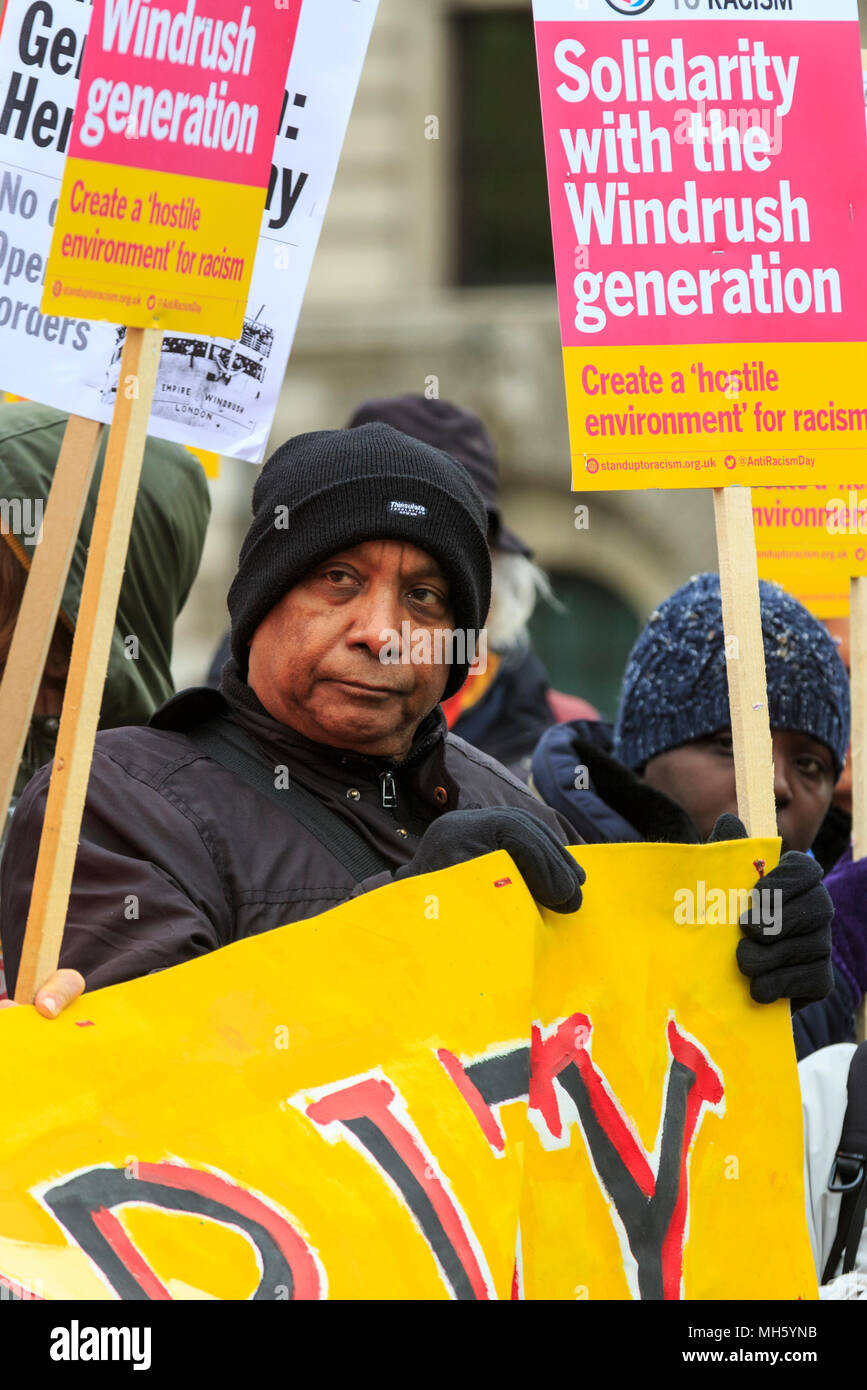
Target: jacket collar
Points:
(616, 805)
(236, 700)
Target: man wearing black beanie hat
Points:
(323, 493)
(323, 766)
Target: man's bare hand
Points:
(59, 991)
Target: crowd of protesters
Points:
(384, 532)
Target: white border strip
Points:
(819, 11)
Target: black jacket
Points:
(611, 805)
(509, 719)
(178, 857)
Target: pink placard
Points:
(815, 175)
(142, 61)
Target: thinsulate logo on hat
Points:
(407, 508)
(630, 6)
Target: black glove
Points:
(548, 870)
(795, 962)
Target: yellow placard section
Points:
(167, 240)
(715, 414)
(813, 541)
(343, 1108)
(203, 1075)
(684, 1071)
(209, 461)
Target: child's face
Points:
(700, 777)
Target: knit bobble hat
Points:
(676, 687)
(325, 492)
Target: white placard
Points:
(738, 11)
(212, 393)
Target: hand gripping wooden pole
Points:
(745, 660)
(858, 670)
(43, 595)
(89, 661)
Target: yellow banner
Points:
(678, 1120)
(344, 1107)
(812, 540)
(151, 249)
(708, 415)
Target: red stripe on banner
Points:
(292, 1246)
(370, 1100)
(613, 1121)
(25, 1294)
(707, 1089)
(110, 1228)
(475, 1100)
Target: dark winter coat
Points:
(610, 805)
(179, 857)
(509, 719)
(172, 509)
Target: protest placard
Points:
(169, 161)
(813, 541)
(706, 216)
(421, 1067)
(143, 161)
(214, 392)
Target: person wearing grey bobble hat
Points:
(665, 773)
(322, 767)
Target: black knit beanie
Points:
(463, 436)
(325, 492)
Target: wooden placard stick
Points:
(745, 652)
(89, 661)
(43, 594)
(858, 678)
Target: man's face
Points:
(700, 777)
(315, 658)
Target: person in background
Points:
(846, 879)
(665, 773)
(829, 1078)
(835, 833)
(168, 534)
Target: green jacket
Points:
(168, 533)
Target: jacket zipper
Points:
(389, 793)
